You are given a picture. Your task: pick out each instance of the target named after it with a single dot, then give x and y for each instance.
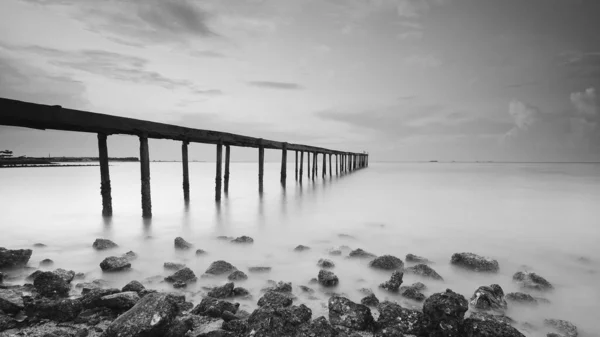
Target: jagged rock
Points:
(370, 300)
(122, 301)
(61, 310)
(318, 327)
(213, 307)
(32, 276)
(424, 271)
(241, 292)
(7, 322)
(325, 263)
(50, 284)
(396, 321)
(327, 278)
(185, 276)
(223, 291)
(46, 263)
(416, 259)
(200, 252)
(275, 299)
(133, 286)
(412, 293)
(91, 299)
(180, 243)
(394, 283)
(387, 262)
(11, 258)
(243, 239)
(151, 316)
(361, 254)
(10, 301)
(236, 326)
(278, 321)
(237, 275)
(347, 314)
(472, 327)
(95, 284)
(180, 326)
(484, 316)
(445, 312)
(67, 275)
(419, 286)
(564, 327)
(301, 248)
(173, 266)
(102, 244)
(113, 263)
(259, 269)
(475, 262)
(282, 287)
(489, 298)
(220, 267)
(530, 280)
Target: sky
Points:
(404, 80)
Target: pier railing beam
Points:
(284, 164)
(105, 189)
(219, 170)
(145, 173)
(186, 172)
(226, 176)
(301, 165)
(261, 167)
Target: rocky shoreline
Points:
(54, 303)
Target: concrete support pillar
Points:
(145, 173)
(324, 165)
(301, 165)
(330, 165)
(227, 158)
(186, 172)
(315, 166)
(105, 189)
(337, 172)
(308, 167)
(219, 170)
(284, 164)
(296, 166)
(261, 167)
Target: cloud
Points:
(276, 85)
(524, 115)
(586, 104)
(423, 61)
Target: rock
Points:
(95, 284)
(487, 328)
(335, 252)
(243, 239)
(564, 327)
(278, 321)
(319, 327)
(412, 293)
(200, 252)
(346, 236)
(10, 301)
(370, 300)
(396, 321)
(223, 237)
(50, 284)
(475, 262)
(530, 280)
(39, 245)
(67, 275)
(301, 248)
(237, 326)
(213, 307)
(237, 275)
(325, 263)
(7, 322)
(11, 258)
(416, 259)
(113, 263)
(46, 263)
(489, 298)
(445, 312)
(347, 314)
(424, 270)
(484, 316)
(33, 275)
(121, 301)
(61, 309)
(419, 286)
(306, 289)
(275, 299)
(130, 256)
(361, 254)
(102, 244)
(387, 262)
(223, 291)
(151, 316)
(327, 278)
(173, 266)
(259, 269)
(180, 327)
(1, 278)
(282, 287)
(180, 243)
(241, 292)
(220, 267)
(394, 283)
(185, 276)
(91, 299)
(133, 286)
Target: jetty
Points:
(55, 117)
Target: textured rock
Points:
(243, 239)
(361, 254)
(185, 275)
(133, 286)
(46, 263)
(301, 248)
(7, 322)
(347, 314)
(325, 263)
(11, 258)
(102, 244)
(67, 275)
(10, 301)
(50, 284)
(395, 321)
(237, 275)
(412, 293)
(283, 287)
(327, 278)
(91, 299)
(130, 256)
(151, 316)
(387, 262)
(394, 283)
(214, 307)
(489, 298)
(278, 321)
(180, 243)
(180, 326)
(530, 280)
(564, 327)
(220, 267)
(424, 270)
(114, 263)
(121, 301)
(487, 328)
(173, 266)
(486, 316)
(370, 300)
(416, 259)
(318, 327)
(224, 291)
(57, 309)
(475, 262)
(259, 269)
(200, 252)
(445, 312)
(275, 299)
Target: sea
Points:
(538, 217)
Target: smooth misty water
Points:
(543, 216)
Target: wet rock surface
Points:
(531, 280)
(327, 278)
(220, 267)
(50, 284)
(359, 253)
(259, 269)
(237, 275)
(67, 275)
(243, 239)
(489, 298)
(412, 293)
(181, 244)
(10, 301)
(301, 248)
(173, 266)
(103, 244)
(278, 321)
(12, 258)
(182, 276)
(133, 286)
(472, 327)
(370, 300)
(475, 262)
(424, 270)
(121, 301)
(224, 291)
(113, 264)
(395, 320)
(347, 314)
(564, 327)
(445, 312)
(387, 262)
(275, 299)
(416, 259)
(394, 282)
(46, 263)
(325, 263)
(213, 307)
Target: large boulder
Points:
(396, 321)
(327, 278)
(566, 328)
(133, 286)
(531, 280)
(180, 243)
(394, 283)
(521, 298)
(275, 299)
(445, 312)
(182, 276)
(412, 293)
(349, 315)
(10, 301)
(56, 309)
(318, 327)
(268, 321)
(237, 275)
(325, 263)
(102, 244)
(424, 270)
(67, 275)
(220, 267)
(120, 301)
(387, 262)
(11, 258)
(150, 317)
(214, 307)
(224, 291)
(50, 284)
(472, 327)
(114, 263)
(489, 298)
(475, 262)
